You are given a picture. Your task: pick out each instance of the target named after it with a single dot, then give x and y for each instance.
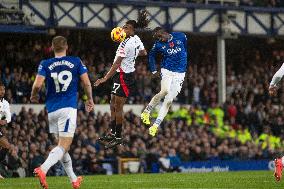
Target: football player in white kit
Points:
(122, 74)
(5, 118)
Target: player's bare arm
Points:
(275, 80)
(89, 104)
(111, 72)
(38, 83)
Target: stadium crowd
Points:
(178, 142)
(248, 126)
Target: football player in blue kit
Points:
(173, 47)
(62, 75)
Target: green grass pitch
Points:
(236, 180)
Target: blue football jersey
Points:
(174, 53)
(62, 78)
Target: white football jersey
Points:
(5, 113)
(129, 49)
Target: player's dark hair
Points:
(2, 84)
(157, 29)
(59, 44)
(142, 20)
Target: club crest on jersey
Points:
(40, 67)
(172, 44)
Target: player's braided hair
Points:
(142, 20)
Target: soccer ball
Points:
(118, 35)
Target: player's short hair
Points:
(142, 20)
(59, 44)
(157, 29)
(2, 84)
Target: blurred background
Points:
(223, 119)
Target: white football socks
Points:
(165, 88)
(163, 111)
(67, 164)
(54, 156)
(155, 101)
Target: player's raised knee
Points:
(163, 93)
(169, 102)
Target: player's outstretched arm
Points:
(36, 88)
(111, 72)
(275, 80)
(89, 105)
(152, 59)
(7, 115)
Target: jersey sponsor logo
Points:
(173, 51)
(60, 63)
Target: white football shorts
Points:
(62, 122)
(172, 82)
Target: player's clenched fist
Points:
(34, 99)
(99, 81)
(89, 105)
(272, 90)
